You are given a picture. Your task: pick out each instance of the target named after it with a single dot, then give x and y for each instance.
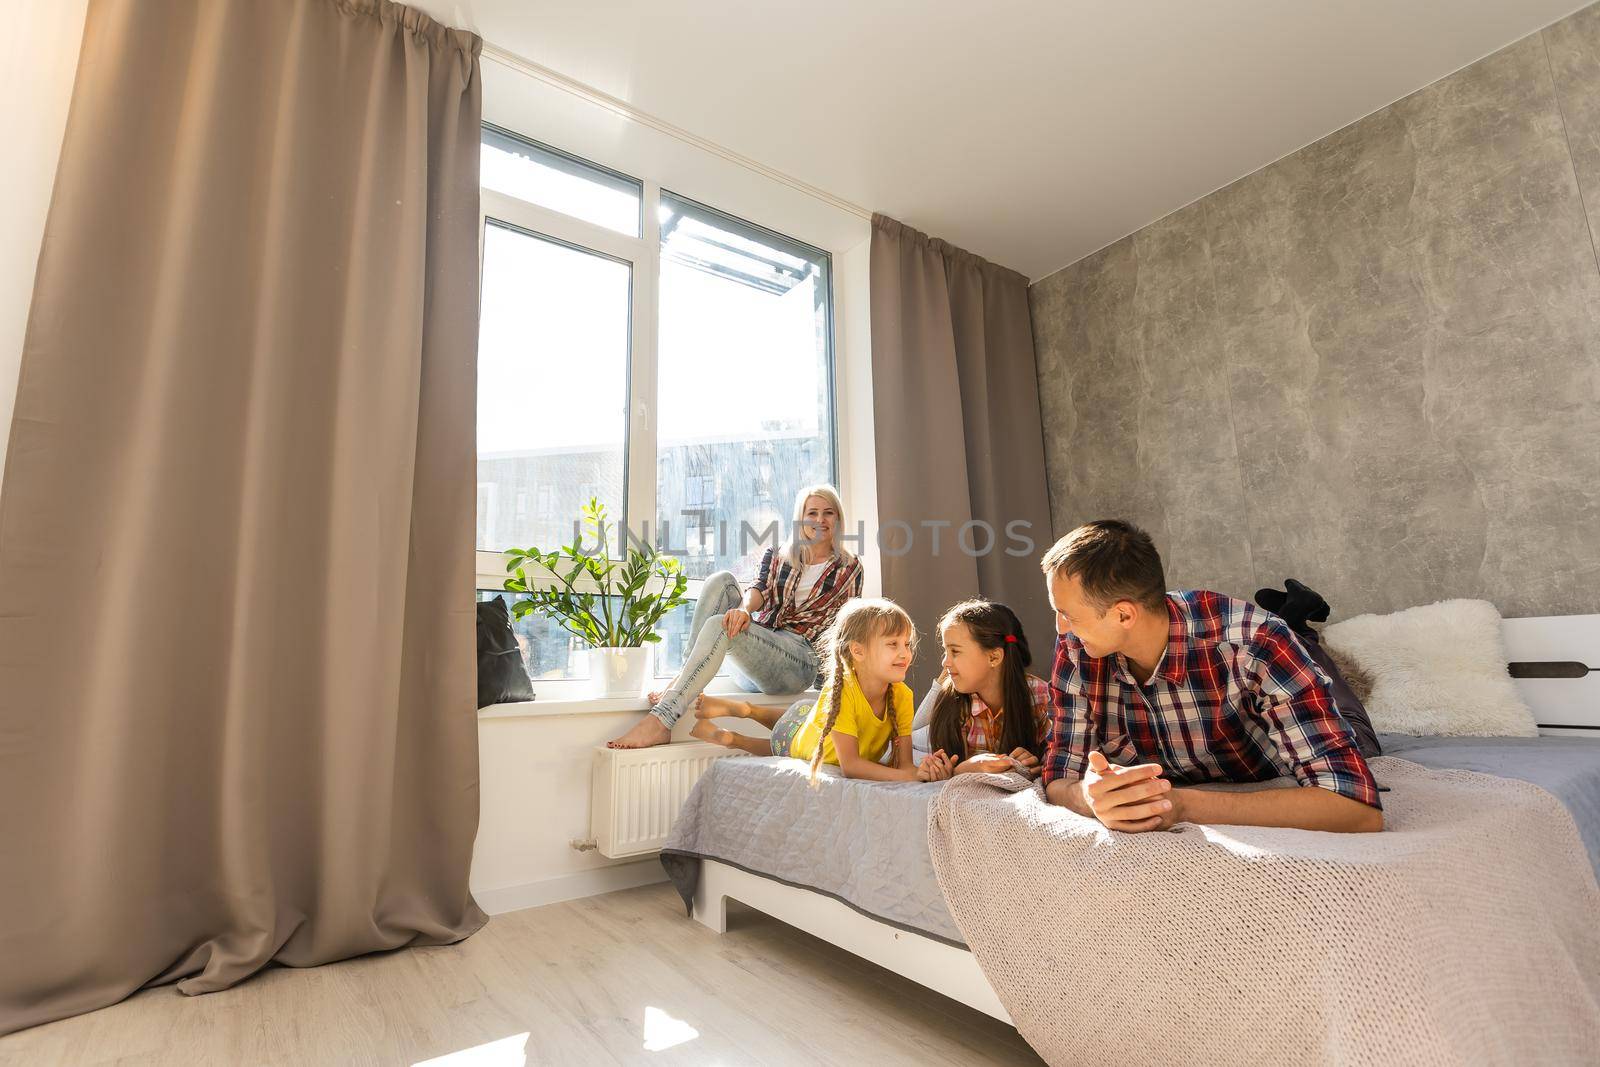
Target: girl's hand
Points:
(735, 621)
(1027, 762)
(986, 764)
(935, 767)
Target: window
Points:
(746, 398)
(552, 385)
(641, 348)
(541, 175)
(700, 491)
(488, 498)
(674, 643)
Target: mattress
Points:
(865, 843)
(862, 843)
(1568, 768)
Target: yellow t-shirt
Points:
(856, 718)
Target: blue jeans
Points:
(764, 660)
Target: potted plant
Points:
(613, 606)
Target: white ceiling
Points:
(1032, 133)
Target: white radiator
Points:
(636, 793)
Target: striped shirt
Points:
(777, 580)
(1234, 698)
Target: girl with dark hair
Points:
(987, 713)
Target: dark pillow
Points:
(1300, 606)
(501, 677)
(1350, 706)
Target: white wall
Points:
(40, 60)
(534, 803)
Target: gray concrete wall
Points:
(1373, 365)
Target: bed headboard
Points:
(1555, 660)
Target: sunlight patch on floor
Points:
(506, 1052)
(662, 1031)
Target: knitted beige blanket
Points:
(1467, 932)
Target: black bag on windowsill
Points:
(501, 676)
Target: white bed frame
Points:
(942, 968)
(1545, 653)
(1556, 663)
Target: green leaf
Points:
(631, 596)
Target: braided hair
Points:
(860, 620)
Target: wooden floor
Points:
(620, 978)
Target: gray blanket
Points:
(866, 843)
(863, 843)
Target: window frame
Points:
(577, 167)
(643, 255)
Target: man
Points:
(1154, 692)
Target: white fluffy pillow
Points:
(1438, 669)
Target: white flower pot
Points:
(619, 672)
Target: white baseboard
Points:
(571, 886)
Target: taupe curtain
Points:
(236, 530)
(959, 438)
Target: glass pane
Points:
(529, 171)
(675, 641)
(548, 652)
(745, 402)
(552, 388)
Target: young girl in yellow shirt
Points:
(865, 709)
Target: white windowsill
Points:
(542, 708)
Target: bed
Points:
(753, 832)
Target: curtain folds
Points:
(237, 702)
(960, 442)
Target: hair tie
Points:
(1011, 639)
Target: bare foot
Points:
(654, 697)
(710, 707)
(706, 730)
(646, 732)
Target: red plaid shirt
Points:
(778, 581)
(985, 727)
(1235, 698)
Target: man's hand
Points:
(735, 621)
(1130, 799)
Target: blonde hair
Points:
(797, 542)
(860, 620)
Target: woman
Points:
(773, 632)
